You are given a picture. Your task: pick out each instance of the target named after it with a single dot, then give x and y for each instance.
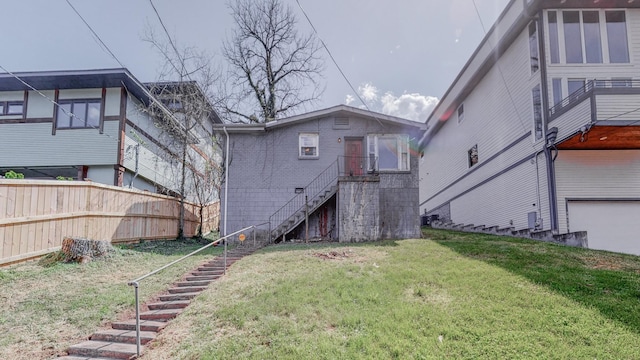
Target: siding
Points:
(496, 116)
(618, 107)
(594, 174)
(569, 122)
(33, 145)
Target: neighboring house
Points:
(96, 125)
(356, 169)
(541, 128)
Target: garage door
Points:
(610, 225)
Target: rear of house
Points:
(540, 130)
(353, 173)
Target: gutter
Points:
(226, 180)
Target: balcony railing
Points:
(357, 165)
(621, 85)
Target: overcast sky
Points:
(400, 55)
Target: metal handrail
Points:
(316, 187)
(589, 85)
(136, 283)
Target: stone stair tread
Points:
(92, 348)
(173, 304)
(145, 325)
(161, 314)
(123, 336)
(182, 296)
(193, 283)
(207, 273)
(204, 277)
(186, 289)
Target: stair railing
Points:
(317, 186)
(136, 283)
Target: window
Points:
(576, 87)
(308, 145)
(554, 47)
(572, 36)
(473, 155)
(592, 41)
(460, 113)
(537, 112)
(533, 47)
(11, 107)
(557, 90)
(588, 36)
(617, 36)
(78, 114)
(388, 152)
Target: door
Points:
(353, 159)
(610, 225)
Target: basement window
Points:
(473, 155)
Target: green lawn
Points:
(46, 309)
(451, 296)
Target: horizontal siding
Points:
(569, 122)
(618, 107)
(509, 197)
(151, 166)
(497, 113)
(596, 174)
(33, 145)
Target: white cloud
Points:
(349, 99)
(368, 92)
(409, 106)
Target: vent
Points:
(341, 123)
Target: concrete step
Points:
(160, 315)
(176, 304)
(186, 289)
(145, 325)
(183, 296)
(194, 283)
(206, 273)
(199, 278)
(123, 336)
(93, 348)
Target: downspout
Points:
(226, 180)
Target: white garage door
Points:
(610, 225)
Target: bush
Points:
(13, 175)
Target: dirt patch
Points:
(334, 255)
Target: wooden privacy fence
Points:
(36, 214)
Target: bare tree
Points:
(273, 68)
(184, 114)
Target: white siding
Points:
(101, 174)
(498, 112)
(569, 122)
(39, 106)
(618, 107)
(33, 145)
(68, 94)
(11, 95)
(591, 174)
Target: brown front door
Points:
(353, 159)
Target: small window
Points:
(78, 114)
(473, 155)
(308, 145)
(11, 107)
(557, 90)
(388, 152)
(537, 112)
(460, 113)
(533, 47)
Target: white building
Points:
(541, 128)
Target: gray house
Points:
(340, 173)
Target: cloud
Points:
(368, 92)
(411, 106)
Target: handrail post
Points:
(135, 287)
(225, 256)
(254, 236)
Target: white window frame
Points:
(402, 148)
(308, 140)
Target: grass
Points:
(45, 309)
(451, 296)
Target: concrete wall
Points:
(359, 207)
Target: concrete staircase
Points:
(119, 342)
(577, 239)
